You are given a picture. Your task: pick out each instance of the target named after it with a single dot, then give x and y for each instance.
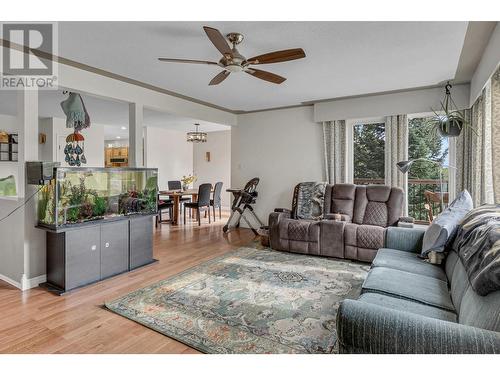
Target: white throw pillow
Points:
(444, 226)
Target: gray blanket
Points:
(310, 199)
(478, 245)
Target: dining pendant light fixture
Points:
(197, 136)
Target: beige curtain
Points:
(495, 133)
(396, 149)
(334, 142)
(474, 160)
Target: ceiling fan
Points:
(233, 62)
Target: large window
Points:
(368, 153)
(423, 178)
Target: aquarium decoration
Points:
(74, 150)
(79, 195)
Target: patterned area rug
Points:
(249, 301)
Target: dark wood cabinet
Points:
(114, 248)
(83, 257)
(141, 246)
(87, 253)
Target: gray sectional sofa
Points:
(410, 306)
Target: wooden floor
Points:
(37, 321)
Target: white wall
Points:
(282, 148)
(219, 167)
(413, 101)
(168, 151)
(487, 65)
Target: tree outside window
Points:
(369, 145)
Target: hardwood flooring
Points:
(37, 321)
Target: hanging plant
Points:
(451, 121)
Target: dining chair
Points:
(164, 205)
(203, 202)
(217, 201)
(177, 185)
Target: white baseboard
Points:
(10, 281)
(25, 283)
(33, 282)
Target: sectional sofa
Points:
(410, 306)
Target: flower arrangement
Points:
(188, 180)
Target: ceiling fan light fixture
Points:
(234, 68)
(196, 136)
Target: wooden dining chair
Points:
(202, 203)
(217, 201)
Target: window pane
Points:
(369, 144)
(423, 178)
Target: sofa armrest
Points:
(274, 223)
(367, 328)
(404, 239)
(282, 210)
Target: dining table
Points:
(175, 196)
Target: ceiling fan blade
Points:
(164, 59)
(219, 78)
(266, 76)
(278, 56)
(218, 41)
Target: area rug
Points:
(249, 301)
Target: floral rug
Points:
(249, 301)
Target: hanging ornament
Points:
(77, 116)
(74, 149)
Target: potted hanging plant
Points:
(451, 121)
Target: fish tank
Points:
(80, 195)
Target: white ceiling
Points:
(112, 114)
(343, 58)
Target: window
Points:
(368, 153)
(423, 177)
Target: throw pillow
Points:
(309, 199)
(478, 246)
(444, 226)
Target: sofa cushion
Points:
(408, 306)
(445, 225)
(341, 199)
(480, 311)
(299, 236)
(409, 262)
(370, 237)
(424, 289)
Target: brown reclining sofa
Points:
(365, 213)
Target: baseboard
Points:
(25, 283)
(8, 280)
(33, 282)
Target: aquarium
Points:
(79, 195)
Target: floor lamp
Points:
(404, 167)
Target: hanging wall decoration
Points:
(78, 119)
(74, 150)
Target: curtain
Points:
(396, 149)
(495, 133)
(474, 152)
(334, 141)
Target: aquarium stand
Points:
(94, 251)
